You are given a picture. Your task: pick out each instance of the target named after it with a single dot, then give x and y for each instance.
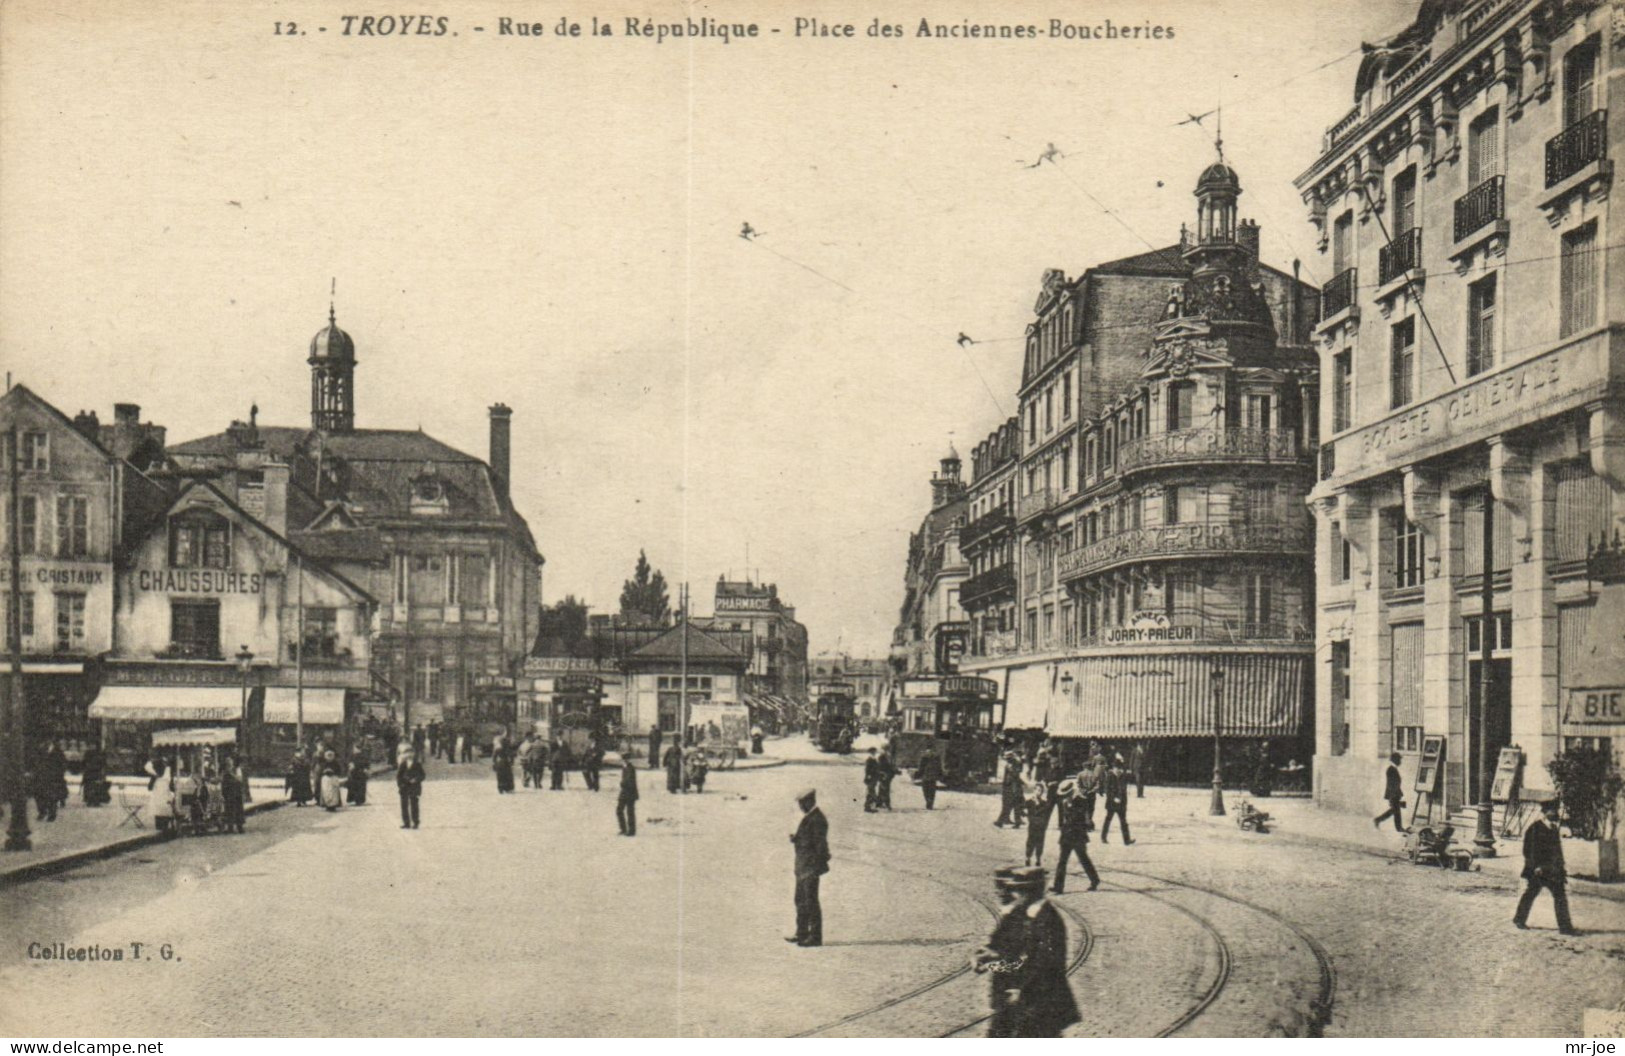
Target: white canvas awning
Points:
(161, 703)
(323, 706)
(1026, 704)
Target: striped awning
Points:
(1027, 697)
(1262, 695)
(168, 703)
(322, 706)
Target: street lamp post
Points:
(1216, 809)
(17, 826)
(244, 658)
(1484, 834)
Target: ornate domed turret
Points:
(1222, 286)
(332, 378)
(1218, 177)
(331, 343)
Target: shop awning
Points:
(323, 707)
(1262, 695)
(1027, 697)
(160, 703)
(1597, 686)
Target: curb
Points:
(73, 859)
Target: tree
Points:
(565, 620)
(644, 600)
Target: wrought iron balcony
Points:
(1209, 444)
(1338, 294)
(988, 586)
(992, 521)
(1403, 254)
(1200, 539)
(1480, 207)
(1577, 146)
(1034, 505)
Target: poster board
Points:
(1431, 767)
(1508, 768)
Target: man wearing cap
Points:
(1543, 868)
(811, 840)
(1010, 806)
(1025, 960)
(1075, 825)
(409, 783)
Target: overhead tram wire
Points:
(1410, 287)
(805, 267)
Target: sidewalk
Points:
(80, 833)
(1299, 820)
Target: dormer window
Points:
(428, 492)
(199, 539)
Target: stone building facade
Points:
(1471, 341)
(932, 632)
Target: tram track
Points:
(1224, 960)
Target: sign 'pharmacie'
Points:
(198, 581)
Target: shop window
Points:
(1340, 698)
(1342, 391)
(1578, 280)
(199, 539)
(70, 622)
(26, 604)
(321, 635)
(27, 526)
(1409, 551)
(194, 629)
(1481, 326)
(72, 526)
(1402, 363)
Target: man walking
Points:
(930, 771)
(1543, 868)
(811, 841)
(1393, 791)
(654, 745)
(590, 762)
(674, 767)
(888, 771)
(1026, 959)
(1010, 792)
(871, 782)
(1075, 825)
(1139, 769)
(1116, 787)
(626, 804)
(409, 783)
(558, 760)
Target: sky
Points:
(553, 223)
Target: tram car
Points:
(835, 706)
(956, 714)
(575, 714)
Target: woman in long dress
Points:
(297, 782)
(332, 783)
(160, 807)
(503, 764)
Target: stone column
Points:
(1522, 488)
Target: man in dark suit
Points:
(1116, 789)
(871, 783)
(1076, 821)
(1393, 790)
(1543, 868)
(811, 840)
(887, 771)
(1026, 959)
(409, 783)
(626, 804)
(930, 772)
(654, 745)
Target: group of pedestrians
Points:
(322, 777)
(1034, 792)
(538, 757)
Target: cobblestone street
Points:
(527, 914)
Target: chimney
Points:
(1247, 237)
(87, 422)
(501, 417)
(129, 413)
(276, 497)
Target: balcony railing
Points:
(982, 527)
(988, 585)
(1209, 444)
(1577, 146)
(1039, 502)
(994, 643)
(1399, 256)
(1480, 207)
(1338, 294)
(1186, 540)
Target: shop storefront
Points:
(137, 700)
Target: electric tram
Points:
(957, 714)
(835, 706)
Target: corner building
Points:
(1471, 341)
